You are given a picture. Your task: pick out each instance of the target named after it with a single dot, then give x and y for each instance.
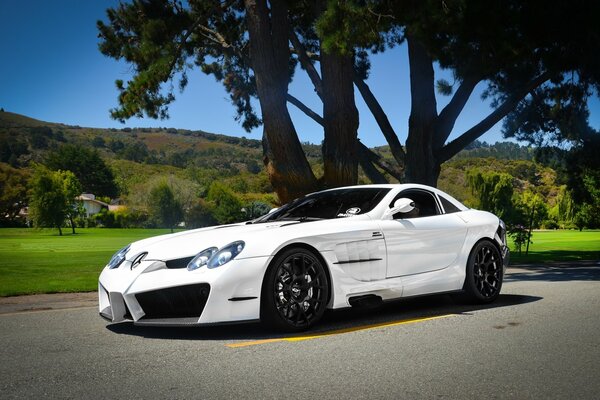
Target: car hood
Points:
(261, 238)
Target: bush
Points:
(227, 207)
(520, 236)
(256, 209)
(200, 215)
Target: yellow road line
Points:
(336, 332)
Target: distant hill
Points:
(12, 120)
(139, 154)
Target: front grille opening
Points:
(176, 302)
(178, 263)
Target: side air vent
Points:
(179, 263)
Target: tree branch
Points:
(306, 63)
(365, 153)
(448, 116)
(380, 162)
(369, 169)
(381, 118)
(180, 46)
(216, 36)
(452, 148)
(304, 108)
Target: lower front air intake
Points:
(176, 302)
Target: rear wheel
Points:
(484, 273)
(295, 291)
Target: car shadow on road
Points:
(555, 272)
(345, 320)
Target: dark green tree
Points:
(227, 208)
(200, 215)
(71, 189)
(164, 207)
(538, 76)
(493, 191)
(52, 197)
(253, 46)
(256, 209)
(13, 195)
(246, 46)
(87, 165)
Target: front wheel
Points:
(295, 291)
(484, 273)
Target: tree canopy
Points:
(164, 207)
(13, 195)
(52, 198)
(87, 165)
(538, 62)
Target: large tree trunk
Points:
(421, 163)
(340, 147)
(285, 161)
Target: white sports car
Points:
(342, 247)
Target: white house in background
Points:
(91, 205)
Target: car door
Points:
(424, 241)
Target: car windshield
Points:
(338, 203)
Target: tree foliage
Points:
(226, 207)
(13, 195)
(52, 197)
(538, 76)
(87, 165)
(164, 207)
(200, 215)
(493, 191)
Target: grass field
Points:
(40, 261)
(560, 246)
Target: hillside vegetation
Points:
(192, 160)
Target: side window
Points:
(448, 206)
(425, 204)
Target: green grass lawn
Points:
(560, 245)
(40, 261)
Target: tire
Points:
(485, 273)
(295, 291)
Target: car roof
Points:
(384, 186)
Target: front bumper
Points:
(151, 294)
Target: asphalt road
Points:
(540, 340)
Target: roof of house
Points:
(90, 198)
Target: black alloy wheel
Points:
(295, 292)
(484, 273)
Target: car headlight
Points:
(201, 258)
(225, 254)
(118, 258)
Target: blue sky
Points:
(51, 70)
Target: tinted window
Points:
(448, 206)
(338, 203)
(425, 204)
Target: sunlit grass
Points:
(40, 261)
(559, 245)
